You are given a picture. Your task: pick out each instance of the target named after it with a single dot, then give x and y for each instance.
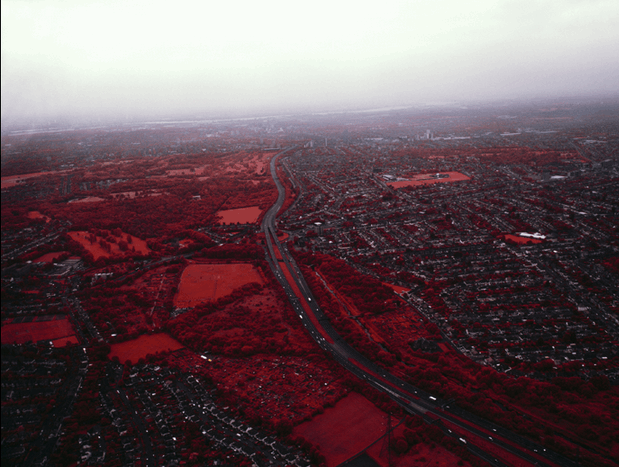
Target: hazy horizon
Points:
(70, 58)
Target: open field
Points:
(39, 330)
(397, 288)
(241, 215)
(138, 348)
(192, 171)
(88, 199)
(522, 240)
(37, 215)
(133, 194)
(62, 341)
(11, 181)
(428, 179)
(346, 429)
(205, 282)
(50, 257)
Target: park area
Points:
(88, 199)
(354, 432)
(136, 349)
(37, 215)
(111, 246)
(346, 429)
(240, 216)
(57, 329)
(50, 257)
(11, 181)
(207, 282)
(522, 240)
(428, 179)
(397, 288)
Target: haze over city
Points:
(112, 58)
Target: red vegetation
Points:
(277, 391)
(522, 240)
(445, 373)
(59, 330)
(37, 215)
(240, 216)
(252, 344)
(397, 288)
(10, 181)
(291, 191)
(253, 319)
(207, 282)
(369, 294)
(375, 320)
(429, 179)
(88, 199)
(105, 244)
(136, 349)
(118, 311)
(346, 429)
(51, 257)
(418, 454)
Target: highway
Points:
(468, 429)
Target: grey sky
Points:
(119, 57)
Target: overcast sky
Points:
(125, 57)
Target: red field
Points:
(428, 179)
(396, 288)
(133, 194)
(35, 331)
(206, 282)
(346, 429)
(88, 199)
(97, 250)
(37, 215)
(242, 215)
(138, 348)
(64, 341)
(422, 455)
(49, 257)
(192, 171)
(8, 182)
(522, 240)
(355, 425)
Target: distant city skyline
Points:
(115, 59)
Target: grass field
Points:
(346, 429)
(39, 330)
(241, 215)
(207, 282)
(428, 179)
(138, 348)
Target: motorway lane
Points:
(412, 399)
